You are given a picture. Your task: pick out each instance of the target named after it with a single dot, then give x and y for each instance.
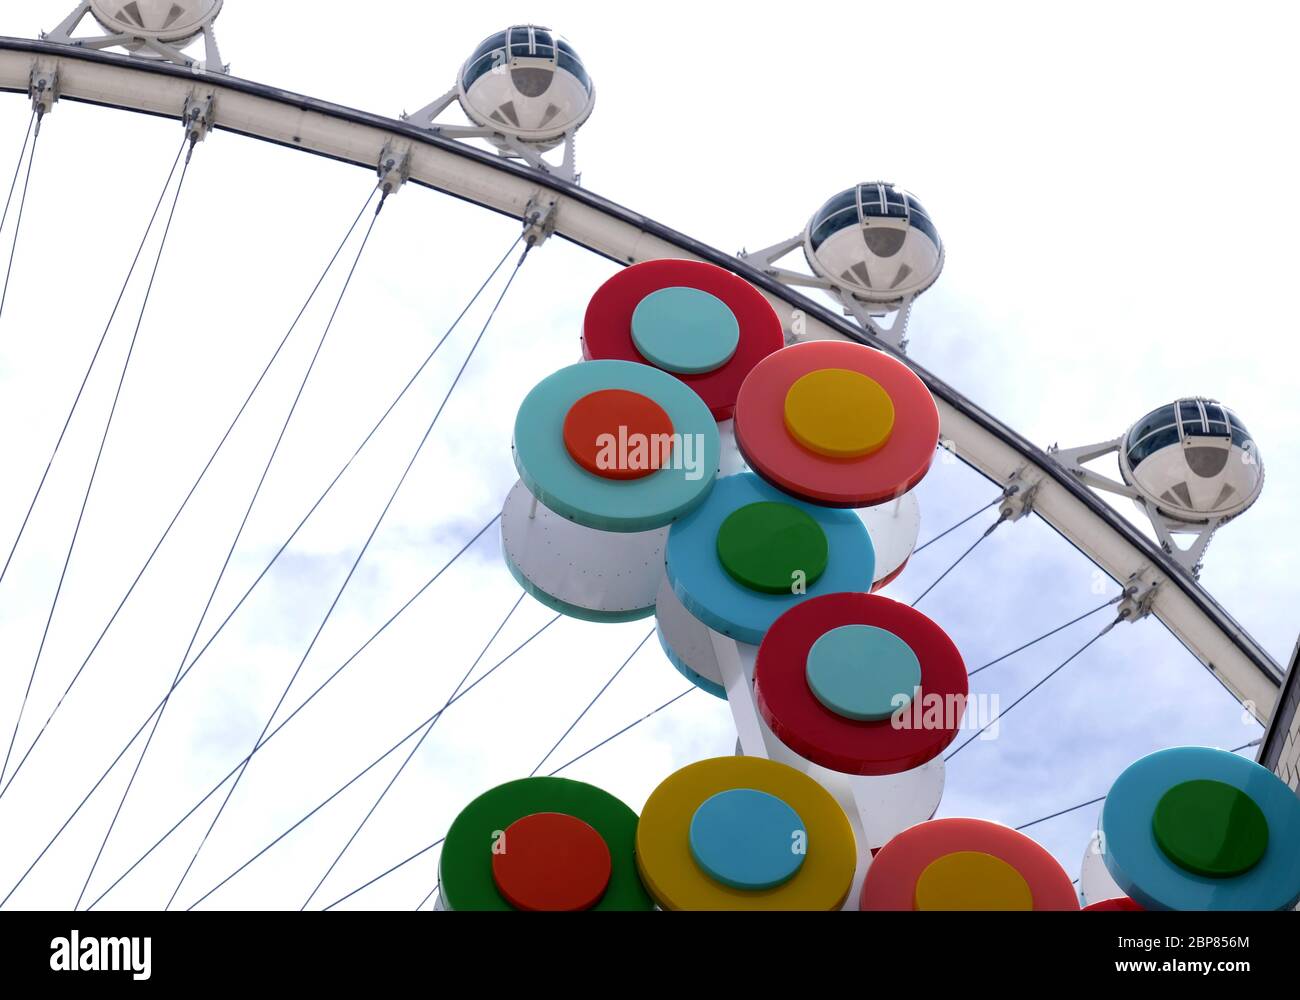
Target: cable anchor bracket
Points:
(539, 218)
(393, 169)
(1018, 495)
(43, 89)
(199, 116)
(1139, 595)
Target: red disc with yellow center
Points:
(618, 434)
(965, 864)
(837, 424)
(551, 861)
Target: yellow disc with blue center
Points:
(972, 880)
(839, 413)
(680, 849)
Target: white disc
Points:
(688, 642)
(602, 576)
(1095, 882)
(893, 527)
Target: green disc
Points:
(1210, 828)
(465, 867)
(771, 547)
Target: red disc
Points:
(551, 861)
(618, 434)
(607, 328)
(810, 729)
(1120, 904)
(772, 451)
(891, 880)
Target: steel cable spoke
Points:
(352, 570)
(414, 750)
(99, 455)
(590, 704)
(391, 750)
(1050, 674)
(108, 770)
(283, 546)
(958, 561)
(239, 534)
(22, 203)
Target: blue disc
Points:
(707, 590)
(564, 486)
(863, 672)
(1145, 873)
(747, 839)
(685, 330)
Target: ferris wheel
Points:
(740, 457)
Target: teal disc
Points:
(685, 330)
(863, 672)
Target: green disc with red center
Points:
(536, 844)
(767, 545)
(552, 862)
(617, 434)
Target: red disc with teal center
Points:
(772, 547)
(618, 434)
(551, 861)
(1210, 828)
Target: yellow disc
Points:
(972, 880)
(663, 850)
(839, 413)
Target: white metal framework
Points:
(1190, 467)
(152, 29)
(526, 91)
(1167, 589)
(873, 248)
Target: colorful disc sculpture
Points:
(744, 833)
(542, 844)
(837, 424)
(965, 864)
(1195, 828)
(699, 322)
(621, 512)
(860, 684)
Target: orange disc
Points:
(551, 861)
(618, 434)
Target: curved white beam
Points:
(991, 447)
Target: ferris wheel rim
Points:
(983, 442)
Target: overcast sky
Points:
(1113, 189)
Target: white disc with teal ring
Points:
(670, 491)
(688, 643)
(832, 543)
(1193, 828)
(598, 576)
